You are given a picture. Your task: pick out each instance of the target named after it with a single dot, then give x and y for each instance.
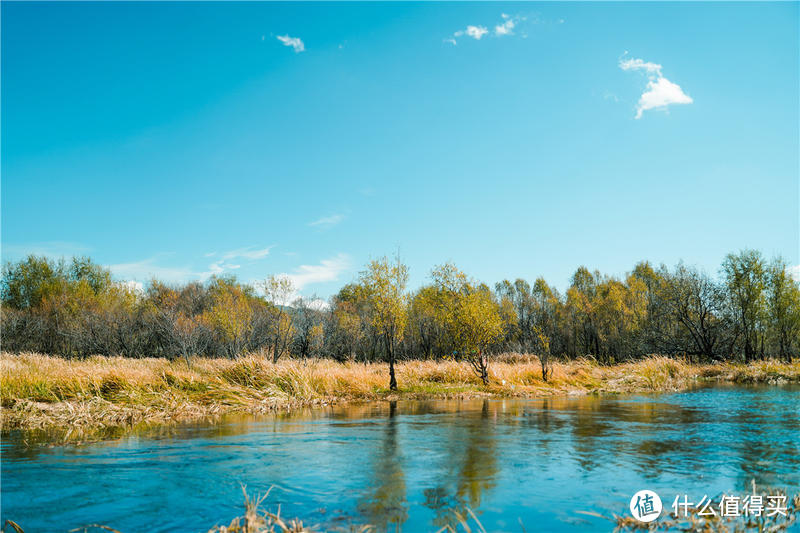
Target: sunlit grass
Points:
(39, 391)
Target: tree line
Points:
(75, 309)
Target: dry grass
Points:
(258, 520)
(39, 391)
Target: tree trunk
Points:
(390, 356)
(276, 350)
(392, 378)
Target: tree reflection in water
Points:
(384, 505)
(472, 466)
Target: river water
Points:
(409, 466)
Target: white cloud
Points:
(250, 252)
(133, 286)
(506, 28)
(148, 269)
(476, 32)
(660, 92)
(794, 271)
(638, 64)
(318, 304)
(327, 270)
(218, 268)
(326, 222)
(52, 249)
(294, 42)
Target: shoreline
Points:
(46, 393)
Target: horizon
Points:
(515, 140)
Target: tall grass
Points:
(39, 391)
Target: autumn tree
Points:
(470, 314)
(746, 282)
(348, 323)
(384, 284)
(783, 309)
(278, 291)
(230, 315)
(478, 326)
(178, 316)
(425, 328)
(581, 307)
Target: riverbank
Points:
(43, 392)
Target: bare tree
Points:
(278, 292)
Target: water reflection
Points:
(413, 466)
(384, 503)
(472, 465)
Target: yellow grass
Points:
(39, 391)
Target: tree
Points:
(542, 343)
(478, 325)
(695, 301)
(384, 284)
(470, 314)
(231, 315)
(178, 314)
(744, 274)
(278, 290)
(783, 304)
(26, 284)
(348, 323)
(519, 297)
(308, 326)
(581, 307)
(424, 324)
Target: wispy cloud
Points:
(660, 92)
(326, 222)
(150, 268)
(327, 270)
(478, 31)
(294, 42)
(217, 268)
(224, 264)
(638, 64)
(53, 249)
(250, 252)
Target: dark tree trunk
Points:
(390, 356)
(392, 378)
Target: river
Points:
(409, 465)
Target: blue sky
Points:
(517, 140)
